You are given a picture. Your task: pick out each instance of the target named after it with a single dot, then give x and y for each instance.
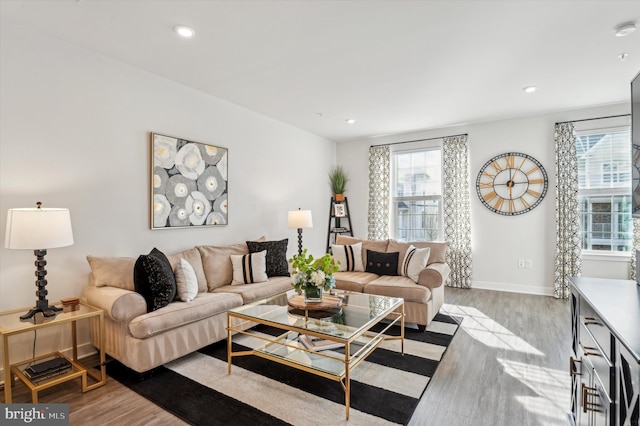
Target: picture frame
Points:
(339, 210)
(189, 183)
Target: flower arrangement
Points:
(313, 274)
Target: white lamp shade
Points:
(35, 229)
(300, 219)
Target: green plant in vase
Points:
(338, 179)
(313, 276)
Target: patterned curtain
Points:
(379, 175)
(568, 250)
(457, 215)
(636, 245)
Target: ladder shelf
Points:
(339, 221)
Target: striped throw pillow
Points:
(414, 261)
(350, 257)
(249, 268)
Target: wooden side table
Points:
(11, 325)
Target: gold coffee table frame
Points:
(10, 325)
(351, 328)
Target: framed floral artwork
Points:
(189, 183)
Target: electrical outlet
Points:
(521, 263)
(528, 263)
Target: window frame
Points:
(393, 199)
(612, 193)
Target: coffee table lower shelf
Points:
(286, 349)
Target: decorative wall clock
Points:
(512, 183)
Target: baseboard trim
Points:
(513, 288)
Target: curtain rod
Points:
(591, 119)
(421, 140)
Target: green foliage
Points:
(308, 271)
(338, 179)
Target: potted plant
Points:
(338, 179)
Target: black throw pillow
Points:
(382, 263)
(153, 278)
(277, 265)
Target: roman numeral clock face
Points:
(511, 183)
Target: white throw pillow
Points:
(350, 257)
(249, 268)
(186, 281)
(414, 261)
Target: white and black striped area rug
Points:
(385, 389)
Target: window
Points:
(416, 195)
(604, 176)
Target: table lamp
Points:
(39, 229)
(300, 219)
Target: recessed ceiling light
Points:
(625, 29)
(623, 56)
(530, 89)
(184, 31)
(350, 120)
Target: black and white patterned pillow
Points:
(277, 265)
(348, 256)
(153, 278)
(415, 261)
(249, 268)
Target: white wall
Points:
(497, 241)
(74, 132)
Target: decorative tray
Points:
(328, 302)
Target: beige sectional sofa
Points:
(422, 298)
(144, 340)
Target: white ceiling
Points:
(394, 66)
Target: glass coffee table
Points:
(327, 343)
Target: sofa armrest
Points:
(434, 275)
(118, 304)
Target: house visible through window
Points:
(416, 195)
(604, 176)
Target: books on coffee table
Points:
(318, 344)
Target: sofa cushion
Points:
(348, 257)
(153, 278)
(186, 281)
(398, 287)
(380, 246)
(216, 262)
(258, 291)
(249, 268)
(353, 281)
(192, 256)
(177, 314)
(112, 271)
(415, 260)
(437, 254)
(277, 265)
(382, 263)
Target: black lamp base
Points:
(42, 304)
(300, 241)
(49, 311)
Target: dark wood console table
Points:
(605, 359)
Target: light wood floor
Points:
(507, 365)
